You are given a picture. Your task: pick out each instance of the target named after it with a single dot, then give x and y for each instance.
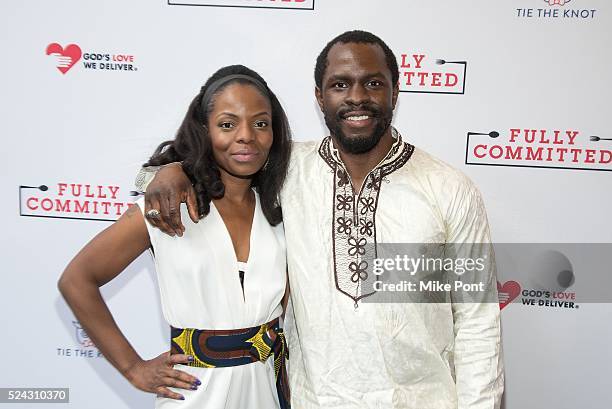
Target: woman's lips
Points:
(245, 156)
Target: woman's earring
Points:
(265, 166)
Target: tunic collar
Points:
(389, 163)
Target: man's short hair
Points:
(359, 37)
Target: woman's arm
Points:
(101, 260)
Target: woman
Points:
(221, 284)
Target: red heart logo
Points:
(66, 57)
(507, 292)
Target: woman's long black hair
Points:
(192, 146)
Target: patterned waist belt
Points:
(234, 347)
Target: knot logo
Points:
(85, 349)
(556, 9)
(81, 336)
(65, 57)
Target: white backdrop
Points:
(95, 126)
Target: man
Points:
(365, 185)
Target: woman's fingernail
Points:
(194, 387)
(198, 382)
(182, 398)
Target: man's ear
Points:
(319, 97)
(395, 94)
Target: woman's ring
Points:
(153, 214)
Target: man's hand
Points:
(165, 193)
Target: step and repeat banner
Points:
(513, 93)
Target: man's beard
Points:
(358, 145)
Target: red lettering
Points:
(62, 208)
(122, 57)
(409, 75)
(514, 133)
(483, 147)
(590, 153)
(81, 208)
(450, 75)
(61, 187)
(496, 155)
(118, 207)
(75, 192)
(30, 205)
(423, 75)
(46, 204)
(571, 135)
(113, 191)
(534, 154)
(88, 192)
(516, 154)
(418, 60)
(435, 79)
(564, 296)
(105, 205)
(404, 63)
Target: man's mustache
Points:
(371, 109)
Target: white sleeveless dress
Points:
(200, 288)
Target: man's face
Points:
(357, 96)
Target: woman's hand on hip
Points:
(158, 374)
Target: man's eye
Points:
(339, 85)
(375, 83)
(261, 124)
(226, 125)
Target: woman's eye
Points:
(339, 85)
(375, 83)
(226, 125)
(261, 124)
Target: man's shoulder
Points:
(303, 151)
(303, 147)
(448, 188)
(425, 165)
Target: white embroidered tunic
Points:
(402, 355)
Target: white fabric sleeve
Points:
(144, 177)
(478, 352)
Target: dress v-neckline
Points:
(229, 236)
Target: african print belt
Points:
(234, 347)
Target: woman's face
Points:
(240, 128)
